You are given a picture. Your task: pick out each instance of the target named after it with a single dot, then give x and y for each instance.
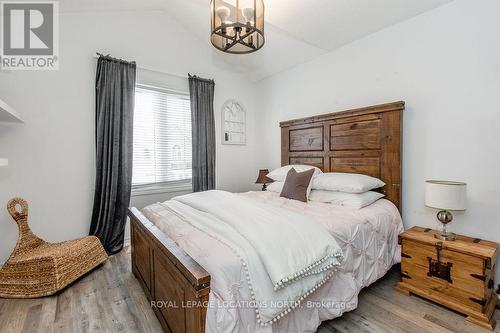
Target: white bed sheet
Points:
(368, 238)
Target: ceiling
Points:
(296, 31)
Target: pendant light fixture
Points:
(237, 25)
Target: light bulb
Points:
(223, 13)
(248, 13)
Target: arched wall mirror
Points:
(233, 123)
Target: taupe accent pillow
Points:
(297, 184)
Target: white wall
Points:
(446, 65)
(52, 155)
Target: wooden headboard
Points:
(365, 140)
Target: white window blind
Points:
(162, 137)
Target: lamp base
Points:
(264, 187)
(445, 217)
(450, 236)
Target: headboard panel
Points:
(365, 140)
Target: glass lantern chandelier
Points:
(237, 25)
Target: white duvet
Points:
(367, 237)
(285, 255)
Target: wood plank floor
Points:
(110, 300)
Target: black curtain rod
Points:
(108, 57)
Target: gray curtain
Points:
(201, 92)
(115, 88)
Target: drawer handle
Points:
(404, 255)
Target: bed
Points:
(171, 259)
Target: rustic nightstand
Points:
(457, 274)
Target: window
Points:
(162, 137)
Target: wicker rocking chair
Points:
(37, 268)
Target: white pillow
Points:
(279, 174)
(275, 187)
(352, 200)
(345, 182)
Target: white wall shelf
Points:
(8, 114)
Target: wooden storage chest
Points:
(457, 274)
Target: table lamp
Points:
(262, 179)
(4, 162)
(447, 196)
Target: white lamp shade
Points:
(445, 195)
(4, 162)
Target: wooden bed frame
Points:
(365, 140)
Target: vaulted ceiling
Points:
(296, 31)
